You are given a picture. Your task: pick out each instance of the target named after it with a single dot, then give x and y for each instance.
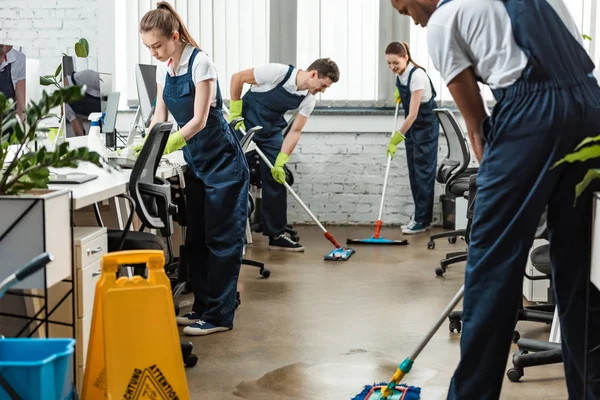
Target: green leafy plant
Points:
(82, 50)
(30, 169)
(584, 151)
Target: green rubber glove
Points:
(397, 96)
(397, 138)
(176, 141)
(138, 147)
(278, 172)
(235, 111)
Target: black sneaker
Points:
(284, 243)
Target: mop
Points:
(339, 253)
(393, 390)
(376, 238)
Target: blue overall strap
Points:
(287, 76)
(433, 92)
(6, 83)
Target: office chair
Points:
(454, 170)
(540, 313)
(150, 199)
(245, 141)
(254, 163)
(461, 256)
(533, 352)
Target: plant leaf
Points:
(586, 37)
(58, 70)
(86, 45)
(587, 179)
(39, 174)
(588, 140)
(581, 155)
(80, 50)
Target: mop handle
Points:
(406, 365)
(457, 298)
(266, 160)
(30, 268)
(387, 168)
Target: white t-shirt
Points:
(17, 61)
(203, 69)
(269, 76)
(464, 33)
(419, 81)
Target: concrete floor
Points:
(322, 330)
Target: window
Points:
(584, 13)
(234, 33)
(420, 53)
(352, 42)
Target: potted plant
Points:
(82, 50)
(34, 218)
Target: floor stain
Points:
(340, 378)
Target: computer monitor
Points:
(105, 89)
(33, 91)
(145, 78)
(112, 108)
(56, 139)
(68, 67)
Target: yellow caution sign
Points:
(134, 351)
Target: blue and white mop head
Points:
(339, 254)
(401, 392)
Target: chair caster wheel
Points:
(295, 238)
(191, 360)
(514, 374)
(431, 245)
(265, 273)
(452, 239)
(455, 326)
(516, 337)
(439, 271)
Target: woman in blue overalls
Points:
(217, 172)
(420, 131)
(547, 102)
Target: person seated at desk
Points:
(88, 104)
(12, 76)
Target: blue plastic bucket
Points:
(37, 368)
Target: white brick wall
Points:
(46, 29)
(340, 178)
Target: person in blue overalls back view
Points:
(277, 89)
(531, 55)
(420, 131)
(217, 175)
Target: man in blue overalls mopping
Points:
(531, 55)
(277, 89)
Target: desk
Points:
(108, 184)
(90, 243)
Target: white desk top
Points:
(108, 184)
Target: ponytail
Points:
(401, 50)
(166, 20)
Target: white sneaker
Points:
(409, 223)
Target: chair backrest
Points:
(152, 195)
(458, 157)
